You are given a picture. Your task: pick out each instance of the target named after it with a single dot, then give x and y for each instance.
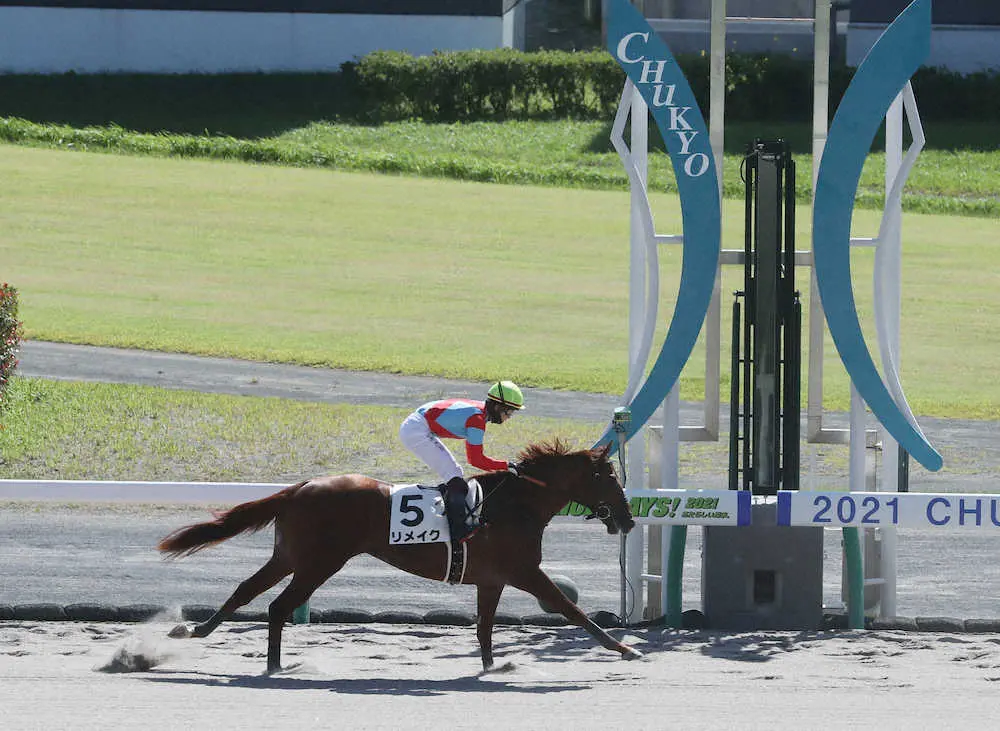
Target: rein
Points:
(601, 512)
(507, 476)
(534, 481)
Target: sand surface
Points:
(421, 677)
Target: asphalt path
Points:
(62, 362)
(105, 554)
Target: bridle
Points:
(602, 511)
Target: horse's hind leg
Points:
(267, 576)
(298, 591)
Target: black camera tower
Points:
(765, 576)
(764, 416)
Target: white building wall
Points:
(56, 40)
(960, 48)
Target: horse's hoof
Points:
(179, 632)
(632, 654)
(507, 667)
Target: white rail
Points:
(97, 491)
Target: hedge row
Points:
(10, 338)
(504, 84)
(490, 84)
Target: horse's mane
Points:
(535, 454)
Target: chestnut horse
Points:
(321, 523)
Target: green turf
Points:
(957, 174)
(420, 276)
(57, 430)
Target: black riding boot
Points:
(459, 519)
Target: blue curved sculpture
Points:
(649, 64)
(884, 72)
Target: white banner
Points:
(690, 507)
(680, 507)
(902, 509)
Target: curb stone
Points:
(940, 624)
(39, 612)
(503, 618)
(86, 612)
(544, 620)
(246, 615)
(95, 612)
(344, 616)
(905, 624)
(449, 618)
(196, 612)
(139, 612)
(982, 625)
(391, 617)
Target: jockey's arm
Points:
(474, 456)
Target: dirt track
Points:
(378, 677)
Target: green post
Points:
(675, 574)
(855, 579)
(301, 614)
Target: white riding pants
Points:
(417, 437)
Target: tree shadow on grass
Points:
(975, 136)
(247, 106)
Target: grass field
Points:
(958, 173)
(312, 254)
(421, 276)
(58, 430)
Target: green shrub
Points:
(493, 84)
(944, 95)
(503, 84)
(10, 338)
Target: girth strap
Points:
(456, 562)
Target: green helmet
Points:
(507, 393)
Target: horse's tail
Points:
(246, 517)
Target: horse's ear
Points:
(603, 452)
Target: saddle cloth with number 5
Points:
(416, 513)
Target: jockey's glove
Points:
(513, 468)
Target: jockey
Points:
(456, 418)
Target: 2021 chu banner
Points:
(889, 509)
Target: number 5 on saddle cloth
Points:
(417, 513)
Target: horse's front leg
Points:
(541, 586)
(487, 600)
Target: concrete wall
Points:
(964, 49)
(702, 8)
(95, 40)
(966, 35)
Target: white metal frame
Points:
(644, 295)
